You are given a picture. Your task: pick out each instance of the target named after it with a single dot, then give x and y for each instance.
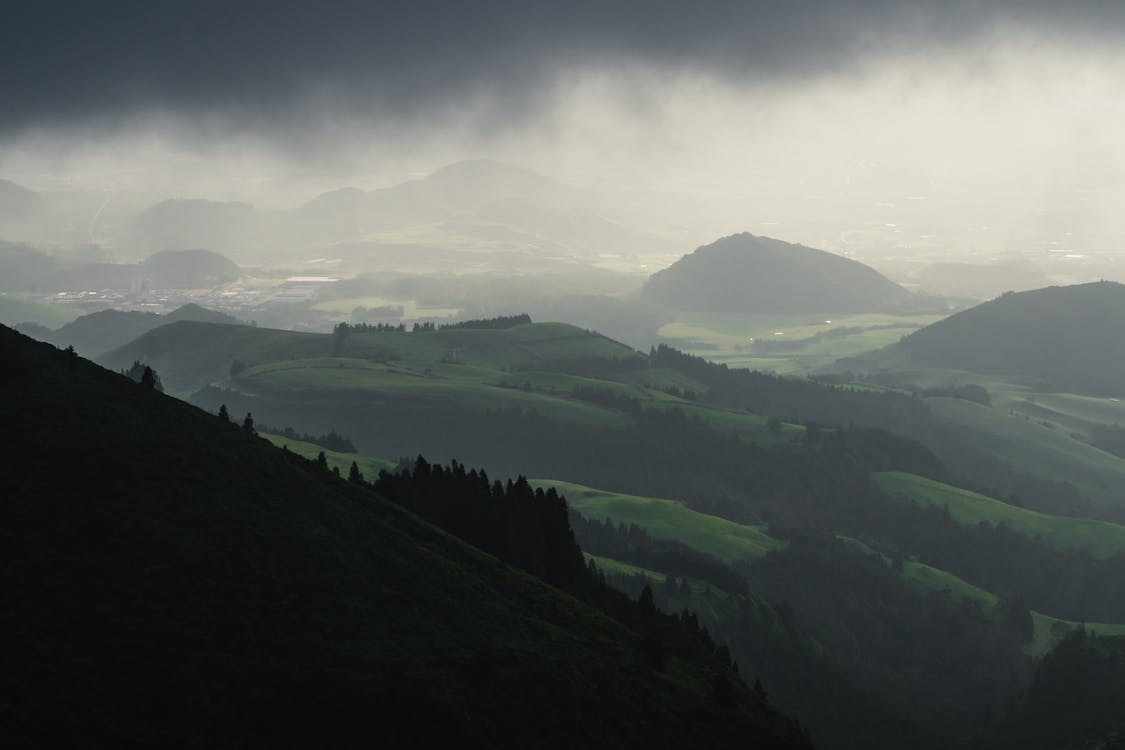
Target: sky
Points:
(992, 126)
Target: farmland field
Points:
(729, 337)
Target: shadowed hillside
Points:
(97, 333)
(185, 583)
(1068, 337)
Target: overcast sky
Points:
(796, 110)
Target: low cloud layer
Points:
(281, 64)
(875, 125)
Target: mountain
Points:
(743, 273)
(482, 199)
(97, 333)
(185, 583)
(459, 188)
(1069, 338)
(184, 224)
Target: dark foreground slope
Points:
(1077, 699)
(1068, 337)
(172, 580)
(748, 274)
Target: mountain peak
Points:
(751, 274)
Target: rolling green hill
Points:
(186, 583)
(196, 355)
(747, 274)
(1099, 538)
(1067, 337)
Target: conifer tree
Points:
(223, 413)
(248, 423)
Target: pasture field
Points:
(523, 345)
(472, 369)
(368, 465)
(363, 379)
(729, 337)
(1069, 412)
(667, 519)
(1099, 538)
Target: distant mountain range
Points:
(1070, 337)
(470, 205)
(744, 273)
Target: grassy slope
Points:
(187, 583)
(1038, 450)
(1048, 630)
(1099, 538)
(668, 519)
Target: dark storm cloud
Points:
(259, 61)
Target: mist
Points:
(1000, 144)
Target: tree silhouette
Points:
(144, 375)
(248, 423)
(648, 606)
(354, 474)
(223, 413)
